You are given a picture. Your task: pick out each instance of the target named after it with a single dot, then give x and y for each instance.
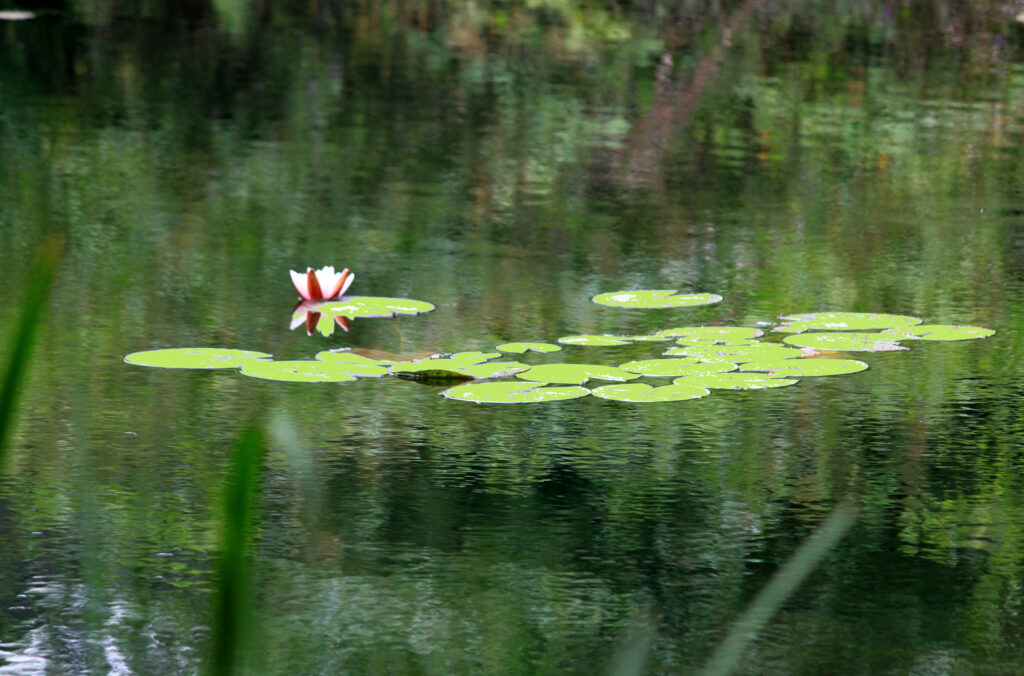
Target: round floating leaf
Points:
(595, 341)
(195, 358)
(846, 342)
(513, 393)
(370, 306)
(519, 348)
(796, 368)
(940, 332)
(844, 321)
(734, 381)
(639, 392)
(575, 374)
(648, 339)
(729, 335)
(349, 357)
(353, 364)
(648, 299)
(298, 371)
(676, 367)
(736, 353)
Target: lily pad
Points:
(796, 368)
(513, 392)
(595, 341)
(371, 306)
(640, 392)
(195, 358)
(676, 367)
(648, 299)
(298, 371)
(844, 321)
(575, 374)
(721, 334)
(846, 342)
(940, 332)
(736, 353)
(353, 364)
(459, 365)
(519, 348)
(734, 381)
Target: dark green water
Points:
(507, 163)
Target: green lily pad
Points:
(736, 353)
(844, 321)
(371, 306)
(575, 374)
(689, 366)
(734, 381)
(298, 371)
(720, 334)
(513, 393)
(348, 357)
(648, 299)
(519, 348)
(353, 364)
(195, 358)
(846, 342)
(642, 393)
(796, 368)
(940, 332)
(595, 341)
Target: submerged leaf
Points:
(575, 374)
(654, 298)
(796, 368)
(735, 381)
(940, 332)
(846, 342)
(690, 366)
(371, 306)
(844, 321)
(595, 341)
(736, 353)
(298, 371)
(642, 393)
(519, 348)
(195, 358)
(729, 335)
(514, 392)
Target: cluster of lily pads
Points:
(699, 359)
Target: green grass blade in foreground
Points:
(782, 585)
(37, 291)
(232, 594)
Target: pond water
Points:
(507, 163)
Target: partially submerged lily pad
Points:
(720, 334)
(846, 342)
(461, 365)
(371, 306)
(354, 364)
(647, 299)
(519, 348)
(298, 371)
(796, 368)
(736, 353)
(513, 392)
(940, 332)
(195, 358)
(575, 374)
(640, 392)
(844, 321)
(595, 341)
(689, 366)
(735, 381)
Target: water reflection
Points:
(307, 313)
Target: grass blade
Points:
(233, 597)
(37, 292)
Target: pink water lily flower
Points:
(322, 284)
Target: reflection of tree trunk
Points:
(674, 102)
